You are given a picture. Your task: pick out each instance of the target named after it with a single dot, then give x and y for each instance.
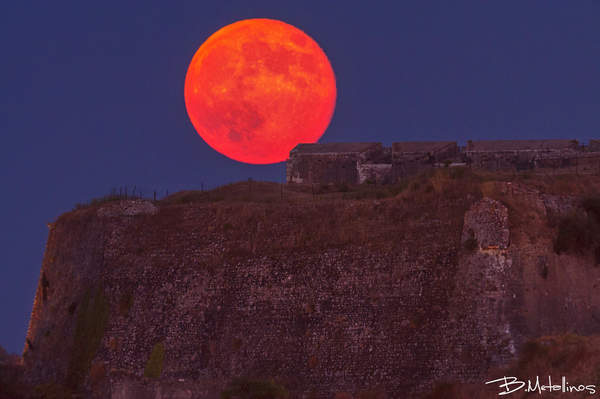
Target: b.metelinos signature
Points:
(512, 384)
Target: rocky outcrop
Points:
(487, 222)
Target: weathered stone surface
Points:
(129, 208)
(487, 222)
(406, 159)
(233, 290)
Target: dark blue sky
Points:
(91, 96)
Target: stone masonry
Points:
(324, 298)
(353, 163)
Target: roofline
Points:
(334, 152)
(574, 143)
(450, 143)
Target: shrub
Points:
(155, 363)
(592, 207)
(576, 233)
(246, 388)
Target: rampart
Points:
(325, 298)
(373, 163)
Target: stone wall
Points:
(391, 302)
(374, 164)
(375, 173)
(328, 167)
(545, 162)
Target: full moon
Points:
(257, 88)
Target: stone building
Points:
(373, 163)
(413, 157)
(329, 162)
(503, 155)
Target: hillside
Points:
(361, 288)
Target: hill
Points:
(355, 288)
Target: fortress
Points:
(389, 296)
(371, 162)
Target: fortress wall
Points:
(325, 168)
(72, 265)
(552, 162)
(406, 166)
(587, 163)
(410, 161)
(266, 292)
(499, 160)
(376, 173)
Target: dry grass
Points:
(575, 357)
(372, 216)
(258, 192)
(578, 186)
(265, 216)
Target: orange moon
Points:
(257, 88)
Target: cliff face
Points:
(326, 298)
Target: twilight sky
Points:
(91, 96)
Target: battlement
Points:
(371, 162)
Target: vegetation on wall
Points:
(591, 205)
(89, 331)
(101, 200)
(247, 388)
(156, 361)
(579, 231)
(573, 356)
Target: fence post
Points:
(155, 196)
(167, 192)
(202, 187)
(141, 194)
(133, 194)
(125, 192)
